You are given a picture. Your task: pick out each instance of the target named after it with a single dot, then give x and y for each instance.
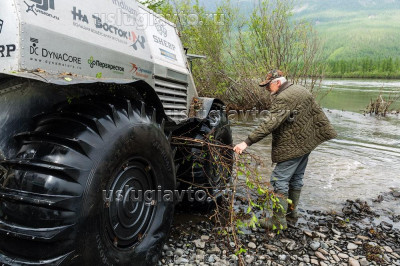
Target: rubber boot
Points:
(278, 219)
(292, 215)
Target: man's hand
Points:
(240, 147)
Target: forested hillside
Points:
(360, 38)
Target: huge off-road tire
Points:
(56, 205)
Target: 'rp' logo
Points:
(1, 25)
(44, 4)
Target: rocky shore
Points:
(358, 235)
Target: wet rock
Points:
(326, 253)
(324, 245)
(324, 229)
(205, 238)
(347, 210)
(271, 247)
(200, 252)
(336, 232)
(181, 261)
(199, 244)
(320, 256)
(336, 258)
(388, 249)
(214, 250)
(291, 246)
(249, 259)
(252, 245)
(351, 246)
(308, 233)
(364, 262)
(396, 194)
(386, 226)
(315, 245)
(353, 262)
(179, 252)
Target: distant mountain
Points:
(349, 29)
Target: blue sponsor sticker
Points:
(168, 54)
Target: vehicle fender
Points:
(22, 98)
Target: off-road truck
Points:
(91, 95)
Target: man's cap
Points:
(273, 74)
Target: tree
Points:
(153, 4)
(239, 51)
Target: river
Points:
(362, 162)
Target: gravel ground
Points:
(358, 235)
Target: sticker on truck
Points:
(6, 50)
(49, 56)
(41, 7)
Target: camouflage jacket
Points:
(297, 123)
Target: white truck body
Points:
(115, 39)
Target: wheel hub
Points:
(129, 216)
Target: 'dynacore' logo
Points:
(1, 25)
(48, 54)
(42, 6)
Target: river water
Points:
(362, 162)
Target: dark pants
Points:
(289, 174)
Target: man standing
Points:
(298, 125)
